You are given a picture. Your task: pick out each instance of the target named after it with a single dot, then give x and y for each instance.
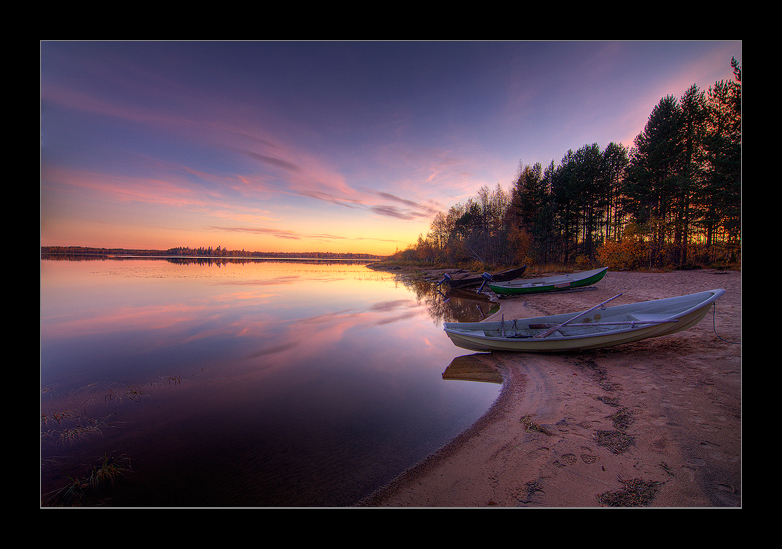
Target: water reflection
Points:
(451, 305)
(246, 383)
(472, 368)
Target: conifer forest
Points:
(671, 200)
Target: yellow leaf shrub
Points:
(628, 254)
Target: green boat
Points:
(549, 283)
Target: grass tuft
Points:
(98, 480)
(636, 493)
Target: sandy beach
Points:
(655, 423)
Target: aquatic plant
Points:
(69, 495)
(98, 480)
(73, 427)
(106, 473)
(78, 432)
(134, 393)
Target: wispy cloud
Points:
(276, 162)
(410, 208)
(294, 171)
(294, 235)
(270, 231)
(123, 188)
(311, 179)
(398, 213)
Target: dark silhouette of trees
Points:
(672, 200)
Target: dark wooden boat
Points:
(505, 276)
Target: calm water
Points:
(253, 383)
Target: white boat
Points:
(591, 329)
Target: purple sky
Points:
(325, 146)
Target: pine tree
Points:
(654, 172)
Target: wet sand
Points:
(654, 423)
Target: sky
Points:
(325, 146)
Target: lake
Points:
(242, 383)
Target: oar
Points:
(555, 328)
(446, 278)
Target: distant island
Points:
(198, 252)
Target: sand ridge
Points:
(652, 423)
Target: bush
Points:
(628, 254)
(582, 262)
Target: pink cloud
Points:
(123, 188)
(282, 169)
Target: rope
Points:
(714, 321)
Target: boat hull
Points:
(604, 328)
(504, 276)
(548, 284)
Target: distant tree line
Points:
(673, 200)
(197, 252)
(89, 251)
(224, 252)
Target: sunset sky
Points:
(325, 146)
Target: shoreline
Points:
(653, 423)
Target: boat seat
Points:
(649, 317)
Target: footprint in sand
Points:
(587, 456)
(568, 459)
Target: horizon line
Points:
(225, 252)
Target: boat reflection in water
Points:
(472, 368)
(451, 305)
